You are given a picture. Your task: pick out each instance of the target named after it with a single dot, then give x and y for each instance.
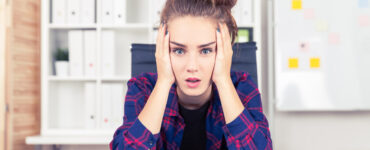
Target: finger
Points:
(160, 39)
(227, 33)
(166, 44)
(220, 44)
(222, 33)
(226, 38)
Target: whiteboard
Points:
(322, 55)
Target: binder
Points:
(90, 53)
(107, 12)
(108, 53)
(75, 40)
(106, 105)
(246, 12)
(59, 12)
(235, 11)
(119, 12)
(157, 9)
(87, 11)
(90, 105)
(118, 96)
(73, 9)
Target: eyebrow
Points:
(200, 46)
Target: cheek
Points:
(176, 63)
(208, 65)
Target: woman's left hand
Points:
(222, 68)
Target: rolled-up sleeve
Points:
(250, 130)
(133, 134)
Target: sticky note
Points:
(293, 63)
(321, 25)
(315, 62)
(364, 21)
(296, 4)
(363, 3)
(334, 38)
(309, 14)
(243, 35)
(304, 46)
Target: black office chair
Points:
(244, 58)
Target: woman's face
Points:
(192, 53)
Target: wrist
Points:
(164, 83)
(223, 81)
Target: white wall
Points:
(322, 131)
(312, 130)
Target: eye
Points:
(178, 51)
(206, 51)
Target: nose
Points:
(192, 64)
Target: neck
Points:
(194, 102)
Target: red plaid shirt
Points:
(250, 130)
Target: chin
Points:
(193, 92)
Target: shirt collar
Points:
(172, 107)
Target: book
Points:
(87, 11)
(75, 40)
(119, 9)
(90, 105)
(90, 51)
(73, 11)
(107, 12)
(107, 53)
(59, 13)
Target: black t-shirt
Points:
(195, 137)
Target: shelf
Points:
(72, 26)
(55, 132)
(127, 26)
(121, 78)
(69, 140)
(55, 78)
(251, 25)
(116, 78)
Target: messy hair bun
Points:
(228, 4)
(219, 10)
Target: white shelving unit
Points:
(65, 125)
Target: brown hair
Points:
(219, 10)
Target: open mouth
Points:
(192, 82)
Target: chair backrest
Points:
(244, 58)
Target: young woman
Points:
(194, 101)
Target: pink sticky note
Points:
(334, 38)
(309, 13)
(364, 20)
(304, 46)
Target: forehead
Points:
(192, 31)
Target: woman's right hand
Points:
(162, 56)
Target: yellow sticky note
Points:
(293, 62)
(315, 62)
(296, 4)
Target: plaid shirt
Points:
(250, 130)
